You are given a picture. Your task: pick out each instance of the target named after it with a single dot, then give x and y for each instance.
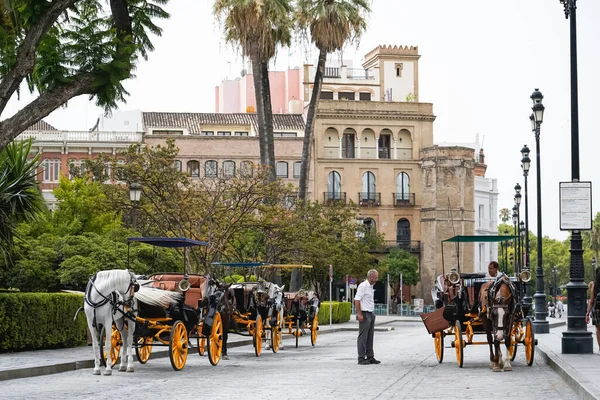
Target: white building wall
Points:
(402, 85)
(486, 220)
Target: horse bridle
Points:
(491, 295)
(113, 299)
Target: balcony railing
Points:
(412, 246)
(329, 197)
(404, 199)
(332, 72)
(61, 136)
(369, 199)
(358, 73)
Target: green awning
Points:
(480, 238)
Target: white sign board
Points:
(418, 306)
(352, 286)
(575, 206)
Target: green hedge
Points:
(30, 321)
(340, 313)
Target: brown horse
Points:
(496, 311)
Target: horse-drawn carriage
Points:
(167, 309)
(470, 304)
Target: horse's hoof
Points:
(122, 368)
(107, 372)
(491, 365)
(129, 369)
(497, 369)
(96, 372)
(507, 368)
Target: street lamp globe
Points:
(537, 96)
(135, 192)
(525, 161)
(515, 216)
(518, 195)
(538, 112)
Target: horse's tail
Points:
(157, 297)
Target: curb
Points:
(568, 374)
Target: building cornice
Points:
(375, 115)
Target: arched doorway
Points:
(403, 232)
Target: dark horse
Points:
(226, 308)
(496, 300)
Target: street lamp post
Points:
(135, 192)
(540, 324)
(506, 252)
(515, 217)
(554, 269)
(518, 231)
(576, 339)
(525, 165)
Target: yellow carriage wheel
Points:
(178, 345)
(529, 343)
(115, 345)
(458, 344)
(258, 332)
(276, 334)
(143, 349)
(214, 342)
(438, 341)
(314, 330)
(201, 345)
(514, 340)
(469, 333)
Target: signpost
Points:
(330, 297)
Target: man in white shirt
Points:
(364, 302)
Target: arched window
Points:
(368, 187)
(228, 169)
(246, 168)
(177, 165)
(348, 143)
(403, 233)
(211, 169)
(193, 168)
(402, 188)
(334, 186)
(282, 169)
(297, 167)
(369, 224)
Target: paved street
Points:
(409, 370)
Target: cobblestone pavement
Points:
(409, 370)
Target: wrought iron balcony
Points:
(369, 199)
(404, 199)
(412, 246)
(329, 197)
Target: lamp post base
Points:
(577, 339)
(541, 326)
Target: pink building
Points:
(237, 95)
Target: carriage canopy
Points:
(168, 242)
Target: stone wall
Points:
(447, 210)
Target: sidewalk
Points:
(580, 371)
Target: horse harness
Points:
(491, 297)
(113, 298)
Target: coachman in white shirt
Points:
(365, 306)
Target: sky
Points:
(480, 62)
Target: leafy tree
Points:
(331, 24)
(591, 239)
(66, 48)
(258, 27)
(505, 215)
(20, 196)
(400, 262)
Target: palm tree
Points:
(332, 24)
(504, 215)
(258, 28)
(20, 196)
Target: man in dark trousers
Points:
(364, 302)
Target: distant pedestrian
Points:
(560, 307)
(594, 306)
(364, 301)
(343, 299)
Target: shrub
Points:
(340, 312)
(30, 321)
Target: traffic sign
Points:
(330, 271)
(351, 280)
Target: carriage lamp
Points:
(135, 192)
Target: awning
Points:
(168, 242)
(479, 239)
(240, 264)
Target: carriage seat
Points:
(464, 275)
(165, 285)
(171, 282)
(196, 281)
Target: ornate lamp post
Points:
(554, 269)
(540, 325)
(506, 252)
(525, 165)
(515, 218)
(135, 193)
(518, 231)
(576, 339)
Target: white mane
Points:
(112, 280)
(157, 297)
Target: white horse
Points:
(111, 296)
(275, 294)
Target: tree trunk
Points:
(270, 145)
(309, 127)
(260, 111)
